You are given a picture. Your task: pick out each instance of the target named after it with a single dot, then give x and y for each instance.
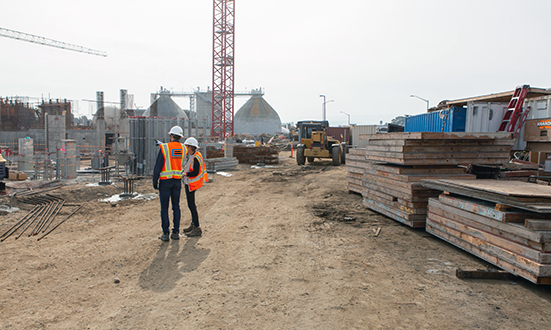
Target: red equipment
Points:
(222, 69)
(514, 109)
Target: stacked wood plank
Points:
(355, 164)
(427, 148)
(395, 164)
(397, 192)
(508, 224)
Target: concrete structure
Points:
(25, 162)
(257, 117)
(68, 159)
(54, 131)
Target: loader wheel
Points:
(343, 156)
(300, 156)
(310, 159)
(336, 153)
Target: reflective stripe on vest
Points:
(196, 182)
(174, 154)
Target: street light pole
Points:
(348, 117)
(420, 98)
(324, 107)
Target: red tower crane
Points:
(222, 68)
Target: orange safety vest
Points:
(196, 182)
(174, 153)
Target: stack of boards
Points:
(507, 223)
(392, 166)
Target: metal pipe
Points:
(62, 221)
(18, 224)
(48, 215)
(47, 210)
(34, 217)
(53, 217)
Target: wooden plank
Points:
(393, 215)
(384, 197)
(399, 205)
(538, 225)
(357, 182)
(354, 188)
(394, 183)
(417, 177)
(439, 149)
(447, 142)
(358, 176)
(463, 156)
(486, 256)
(511, 231)
(529, 265)
(353, 169)
(488, 241)
(488, 209)
(506, 188)
(534, 204)
(413, 162)
(419, 170)
(438, 136)
(414, 196)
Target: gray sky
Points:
(367, 56)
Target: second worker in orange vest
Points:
(195, 173)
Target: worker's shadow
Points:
(167, 268)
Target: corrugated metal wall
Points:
(339, 133)
(356, 130)
(434, 121)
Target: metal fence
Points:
(145, 131)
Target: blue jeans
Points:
(169, 190)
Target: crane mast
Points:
(49, 42)
(222, 68)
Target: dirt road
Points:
(282, 248)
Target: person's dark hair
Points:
(176, 137)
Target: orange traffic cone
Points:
(291, 151)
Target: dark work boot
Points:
(175, 236)
(196, 231)
(188, 229)
(164, 237)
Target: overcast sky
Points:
(367, 56)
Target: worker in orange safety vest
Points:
(195, 173)
(167, 177)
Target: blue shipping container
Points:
(433, 121)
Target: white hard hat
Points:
(176, 130)
(191, 142)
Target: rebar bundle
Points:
(40, 218)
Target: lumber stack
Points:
(508, 224)
(395, 164)
(427, 148)
(355, 165)
(397, 192)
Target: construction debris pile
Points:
(508, 224)
(249, 154)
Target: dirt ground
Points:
(282, 248)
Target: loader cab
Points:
(306, 128)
